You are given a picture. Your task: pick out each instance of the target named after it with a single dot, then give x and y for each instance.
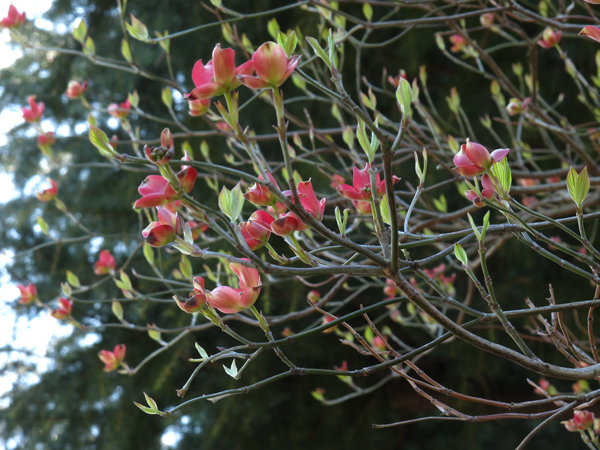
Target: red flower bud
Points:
(361, 189)
(550, 38)
(106, 263)
(65, 306)
(48, 194)
(112, 360)
(198, 107)
(272, 67)
(120, 111)
(13, 19)
(474, 159)
(28, 293)
(75, 89)
(34, 112)
(164, 231)
(260, 195)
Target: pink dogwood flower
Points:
(46, 139)
(48, 194)
(361, 189)
(219, 75)
(163, 231)
(112, 360)
(458, 43)
(272, 67)
(474, 159)
(65, 306)
(120, 111)
(13, 19)
(581, 421)
(309, 201)
(106, 263)
(75, 89)
(163, 154)
(35, 111)
(28, 293)
(229, 300)
(198, 107)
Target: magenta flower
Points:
(218, 76)
(474, 159)
(165, 230)
(35, 111)
(309, 201)
(361, 189)
(487, 192)
(287, 224)
(592, 32)
(112, 360)
(257, 230)
(28, 293)
(14, 19)
(229, 300)
(106, 263)
(260, 195)
(75, 89)
(120, 111)
(48, 194)
(65, 306)
(272, 67)
(550, 38)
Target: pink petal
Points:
(225, 299)
(461, 159)
(253, 82)
(248, 276)
(350, 192)
(270, 63)
(498, 155)
(476, 153)
(245, 69)
(591, 32)
(153, 184)
(361, 178)
(468, 171)
(224, 65)
(202, 74)
(205, 91)
(291, 66)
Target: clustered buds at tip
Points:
(35, 111)
(156, 191)
(75, 89)
(13, 19)
(361, 189)
(48, 194)
(163, 154)
(28, 293)
(65, 306)
(106, 263)
(474, 159)
(272, 67)
(487, 192)
(120, 111)
(549, 38)
(112, 360)
(458, 43)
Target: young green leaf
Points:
(475, 230)
(137, 29)
(361, 133)
(42, 224)
(319, 50)
(384, 207)
(167, 97)
(404, 97)
(460, 254)
(99, 139)
(80, 31)
(578, 186)
(117, 310)
(273, 28)
(72, 279)
(368, 11)
(126, 51)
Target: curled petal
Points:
(202, 74)
(498, 155)
(248, 276)
(592, 32)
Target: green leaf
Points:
(124, 283)
(216, 3)
(231, 202)
(299, 82)
(368, 11)
(384, 207)
(232, 371)
(185, 266)
(486, 225)
(72, 279)
(453, 144)
(154, 334)
(292, 42)
(80, 31)
(42, 224)
(153, 409)
(134, 98)
(99, 139)
(273, 28)
(502, 171)
(126, 51)
(348, 137)
(404, 96)
(319, 50)
(441, 204)
(460, 254)
(202, 352)
(137, 29)
(361, 133)
(167, 97)
(91, 120)
(331, 45)
(341, 222)
(88, 47)
(477, 233)
(578, 186)
(149, 254)
(117, 310)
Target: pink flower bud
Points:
(46, 139)
(197, 300)
(313, 296)
(458, 42)
(363, 207)
(28, 293)
(35, 111)
(120, 111)
(65, 306)
(257, 230)
(13, 19)
(272, 67)
(75, 89)
(361, 189)
(198, 107)
(48, 194)
(164, 231)
(581, 421)
(106, 263)
(342, 368)
(261, 196)
(112, 360)
(379, 344)
(286, 225)
(309, 201)
(324, 321)
(550, 38)
(474, 159)
(486, 19)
